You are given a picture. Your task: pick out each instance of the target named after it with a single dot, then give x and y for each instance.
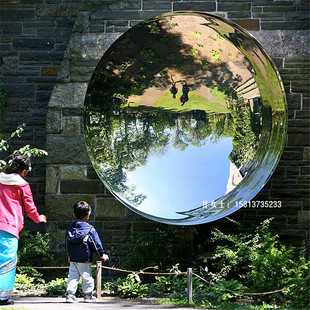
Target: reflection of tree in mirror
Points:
(246, 131)
(130, 139)
(102, 146)
(124, 141)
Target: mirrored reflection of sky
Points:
(182, 178)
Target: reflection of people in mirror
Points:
(185, 90)
(173, 89)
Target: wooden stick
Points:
(98, 278)
(190, 285)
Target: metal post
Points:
(190, 285)
(98, 278)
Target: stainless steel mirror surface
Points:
(185, 118)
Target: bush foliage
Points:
(58, 288)
(241, 264)
(34, 250)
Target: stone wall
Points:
(34, 37)
(46, 66)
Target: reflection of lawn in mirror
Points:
(218, 94)
(195, 102)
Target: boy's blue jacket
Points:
(82, 241)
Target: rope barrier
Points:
(50, 267)
(250, 294)
(143, 272)
(162, 273)
(110, 268)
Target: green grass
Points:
(215, 92)
(196, 34)
(131, 104)
(196, 102)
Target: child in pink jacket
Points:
(15, 199)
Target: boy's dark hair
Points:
(81, 209)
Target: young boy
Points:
(81, 241)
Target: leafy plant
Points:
(153, 27)
(122, 66)
(260, 261)
(23, 282)
(246, 136)
(204, 63)
(131, 287)
(180, 67)
(297, 282)
(172, 285)
(5, 147)
(34, 250)
(230, 289)
(58, 288)
(194, 51)
(32, 274)
(242, 263)
(148, 53)
(214, 54)
(170, 56)
(26, 280)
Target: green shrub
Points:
(58, 288)
(297, 282)
(130, 287)
(173, 285)
(260, 261)
(37, 277)
(23, 282)
(228, 289)
(34, 250)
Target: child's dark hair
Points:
(81, 209)
(18, 165)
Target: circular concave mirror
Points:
(185, 118)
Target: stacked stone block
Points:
(34, 36)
